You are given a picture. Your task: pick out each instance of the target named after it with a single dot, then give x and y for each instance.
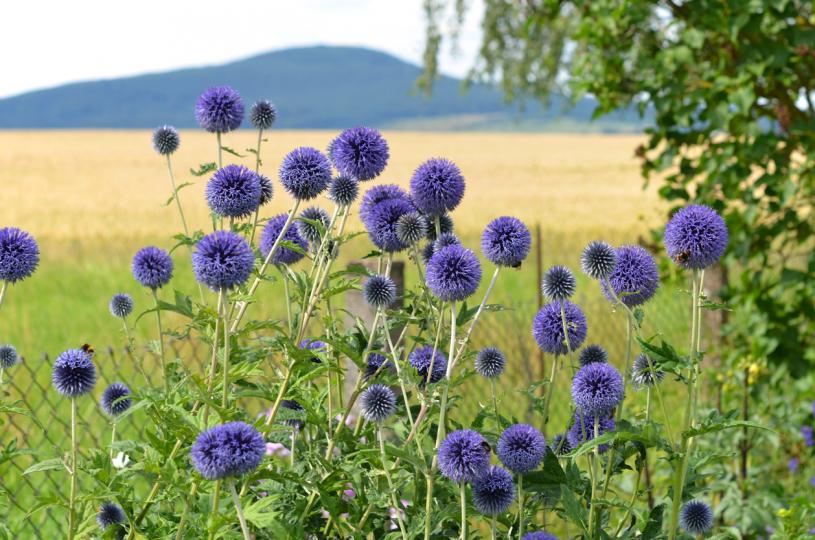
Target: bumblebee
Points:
(682, 257)
(88, 348)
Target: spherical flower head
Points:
(646, 371)
(558, 283)
(73, 373)
(110, 514)
(222, 260)
(19, 254)
(232, 449)
(116, 399)
(314, 345)
(506, 241)
(152, 267)
(121, 305)
(597, 388)
(233, 191)
(305, 173)
(582, 430)
(377, 403)
(547, 328)
(343, 190)
(696, 237)
(635, 277)
(220, 109)
(293, 413)
(166, 140)
(422, 357)
(282, 255)
(490, 362)
(464, 456)
(379, 291)
(437, 186)
(560, 444)
(445, 225)
(309, 231)
(376, 195)
(696, 517)
(598, 259)
(360, 152)
(444, 240)
(493, 491)
(262, 114)
(266, 190)
(8, 356)
(453, 273)
(411, 228)
(381, 224)
(592, 354)
(521, 448)
(377, 363)
(427, 252)
(539, 535)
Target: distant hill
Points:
(312, 87)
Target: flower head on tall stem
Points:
(305, 173)
(490, 362)
(359, 152)
(233, 191)
(73, 373)
(493, 491)
(646, 371)
(598, 259)
(227, 450)
(343, 190)
(597, 389)
(282, 255)
(219, 109)
(222, 260)
(696, 237)
(110, 514)
(696, 517)
(547, 327)
(377, 403)
(411, 228)
(582, 430)
(377, 363)
(444, 240)
(453, 273)
(121, 305)
(8, 356)
(591, 354)
(19, 254)
(262, 114)
(166, 140)
(377, 194)
(558, 283)
(635, 277)
(266, 190)
(521, 448)
(506, 241)
(116, 399)
(311, 231)
(152, 267)
(437, 186)
(382, 221)
(464, 456)
(379, 291)
(422, 357)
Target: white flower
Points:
(120, 461)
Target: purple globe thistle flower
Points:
(521, 448)
(696, 517)
(305, 173)
(376, 195)
(809, 435)
(437, 186)
(793, 463)
(558, 283)
(377, 403)
(411, 228)
(592, 354)
(445, 225)
(381, 224)
(8, 356)
(421, 359)
(493, 491)
(547, 328)
(116, 399)
(219, 109)
(316, 346)
(282, 255)
(232, 449)
(295, 415)
(262, 114)
(379, 291)
(233, 191)
(222, 260)
(464, 456)
(343, 190)
(490, 362)
(266, 190)
(582, 430)
(359, 152)
(539, 535)
(598, 260)
(506, 241)
(376, 363)
(646, 371)
(121, 305)
(696, 237)
(152, 267)
(453, 273)
(635, 277)
(427, 252)
(73, 374)
(166, 140)
(309, 231)
(444, 240)
(110, 514)
(597, 389)
(19, 254)
(561, 445)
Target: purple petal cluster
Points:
(521, 448)
(377, 363)
(360, 152)
(314, 345)
(560, 444)
(582, 430)
(343, 190)
(73, 373)
(635, 277)
(116, 399)
(382, 221)
(598, 259)
(376, 195)
(411, 228)
(262, 114)
(444, 240)
(269, 236)
(490, 362)
(379, 291)
(166, 140)
(547, 328)
(493, 491)
(8, 356)
(696, 237)
(305, 173)
(266, 190)
(121, 305)
(591, 354)
(110, 514)
(453, 273)
(445, 225)
(377, 403)
(539, 535)
(646, 371)
(422, 357)
(464, 456)
(152, 267)
(219, 109)
(506, 241)
(222, 260)
(437, 186)
(696, 517)
(597, 389)
(558, 283)
(233, 191)
(19, 254)
(310, 231)
(232, 449)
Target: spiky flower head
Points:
(437, 186)
(598, 259)
(592, 354)
(582, 430)
(445, 225)
(444, 240)
(310, 231)
(8, 356)
(427, 252)
(116, 399)
(282, 255)
(110, 514)
(73, 374)
(547, 328)
(381, 224)
(490, 362)
(316, 346)
(266, 190)
(696, 237)
(219, 109)
(493, 491)
(166, 140)
(635, 277)
(646, 371)
(521, 448)
(377, 403)
(597, 388)
(152, 267)
(421, 359)
(233, 191)
(376, 195)
(121, 305)
(222, 260)
(464, 456)
(453, 273)
(19, 254)
(696, 517)
(360, 152)
(539, 535)
(506, 241)
(379, 291)
(558, 283)
(305, 173)
(293, 414)
(232, 449)
(411, 228)
(343, 190)
(262, 114)
(377, 363)
(560, 444)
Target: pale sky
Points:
(51, 42)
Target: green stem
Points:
(593, 513)
(394, 500)
(72, 499)
(463, 496)
(285, 275)
(224, 315)
(493, 529)
(477, 316)
(494, 403)
(257, 171)
(549, 390)
(3, 289)
(520, 506)
(179, 534)
(218, 139)
(239, 511)
(293, 445)
(177, 197)
(213, 364)
(216, 499)
(161, 342)
(112, 433)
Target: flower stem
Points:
(112, 436)
(239, 511)
(549, 388)
(216, 498)
(213, 365)
(224, 315)
(593, 512)
(394, 500)
(463, 496)
(493, 528)
(477, 316)
(72, 499)
(218, 140)
(520, 506)
(257, 171)
(177, 197)
(3, 289)
(161, 343)
(494, 403)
